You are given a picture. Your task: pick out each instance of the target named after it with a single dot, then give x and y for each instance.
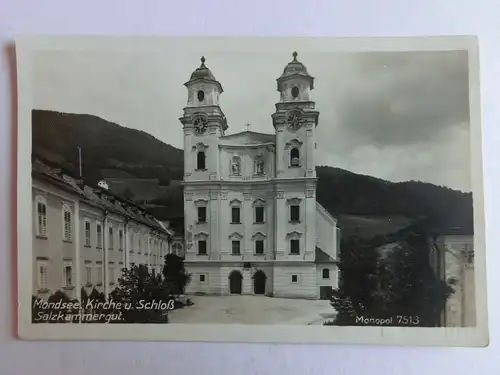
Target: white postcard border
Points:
(25, 45)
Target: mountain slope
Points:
(129, 157)
(105, 147)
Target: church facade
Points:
(252, 222)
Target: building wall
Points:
(303, 139)
(53, 252)
(247, 156)
(216, 277)
(461, 305)
(305, 287)
(326, 232)
(91, 255)
(332, 280)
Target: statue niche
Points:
(236, 166)
(259, 165)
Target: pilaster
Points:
(281, 221)
(214, 225)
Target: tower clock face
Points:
(200, 125)
(294, 120)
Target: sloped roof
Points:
(96, 197)
(321, 257)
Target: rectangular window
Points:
(202, 247)
(131, 241)
(110, 238)
(202, 278)
(43, 275)
(235, 247)
(120, 239)
(87, 232)
(68, 275)
(259, 247)
(67, 235)
(99, 235)
(295, 278)
(235, 215)
(294, 247)
(99, 275)
(259, 214)
(88, 275)
(295, 213)
(202, 214)
(111, 275)
(326, 273)
(41, 209)
(139, 243)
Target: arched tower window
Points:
(294, 157)
(200, 160)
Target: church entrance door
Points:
(259, 282)
(235, 281)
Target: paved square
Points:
(253, 310)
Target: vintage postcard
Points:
(285, 190)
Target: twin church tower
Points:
(252, 223)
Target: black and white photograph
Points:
(251, 189)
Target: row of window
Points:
(41, 230)
(111, 237)
(41, 220)
(258, 247)
(258, 162)
(258, 218)
(295, 278)
(91, 277)
(43, 275)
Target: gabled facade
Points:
(252, 223)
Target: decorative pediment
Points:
(258, 236)
(201, 236)
(294, 143)
(259, 202)
(293, 201)
(201, 202)
(200, 146)
(235, 236)
(235, 202)
(295, 235)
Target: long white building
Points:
(83, 237)
(252, 222)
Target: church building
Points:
(252, 222)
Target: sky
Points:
(394, 115)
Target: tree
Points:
(175, 274)
(358, 280)
(412, 287)
(400, 283)
(137, 288)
